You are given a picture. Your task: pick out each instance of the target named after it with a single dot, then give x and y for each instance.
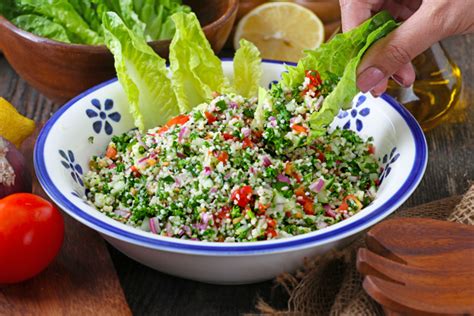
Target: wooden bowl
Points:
(61, 71)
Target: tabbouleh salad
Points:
(232, 170)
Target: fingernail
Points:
(369, 78)
(399, 80)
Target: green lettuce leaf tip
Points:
(247, 69)
(142, 74)
(196, 70)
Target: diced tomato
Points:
(271, 232)
(247, 142)
(377, 182)
(299, 129)
(111, 152)
(223, 213)
(321, 156)
(271, 222)
(308, 206)
(299, 191)
(289, 168)
(305, 201)
(162, 130)
(371, 149)
(257, 134)
(343, 206)
(227, 136)
(288, 214)
(242, 196)
(178, 120)
(223, 157)
(135, 172)
(210, 118)
(262, 208)
(297, 177)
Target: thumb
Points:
(396, 50)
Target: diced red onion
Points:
(328, 211)
(317, 185)
(205, 218)
(227, 176)
(188, 230)
(14, 176)
(154, 225)
(233, 105)
(282, 178)
(293, 119)
(246, 131)
(140, 141)
(141, 160)
(213, 190)
(207, 170)
(252, 170)
(272, 120)
(123, 213)
(182, 133)
(266, 161)
(112, 166)
(169, 229)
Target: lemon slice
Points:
(281, 30)
(14, 127)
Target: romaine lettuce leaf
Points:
(88, 13)
(247, 69)
(41, 26)
(334, 55)
(142, 74)
(156, 14)
(196, 70)
(62, 12)
(346, 89)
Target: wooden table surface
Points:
(450, 167)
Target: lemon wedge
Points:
(14, 127)
(281, 30)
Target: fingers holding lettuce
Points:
(424, 23)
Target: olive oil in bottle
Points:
(436, 90)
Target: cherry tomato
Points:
(31, 234)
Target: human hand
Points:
(425, 23)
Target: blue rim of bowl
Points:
(410, 184)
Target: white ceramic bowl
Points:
(84, 126)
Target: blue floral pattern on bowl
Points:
(69, 162)
(103, 116)
(356, 114)
(388, 160)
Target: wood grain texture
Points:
(80, 281)
(419, 266)
(450, 167)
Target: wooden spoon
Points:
(419, 266)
